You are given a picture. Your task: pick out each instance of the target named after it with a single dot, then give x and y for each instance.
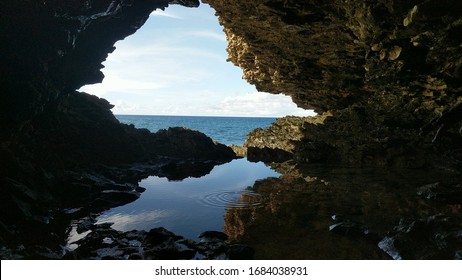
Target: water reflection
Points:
(193, 205)
(360, 206)
(308, 212)
(136, 219)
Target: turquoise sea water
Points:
(226, 130)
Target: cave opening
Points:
(176, 65)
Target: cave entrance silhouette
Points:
(176, 65)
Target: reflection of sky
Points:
(178, 205)
(128, 221)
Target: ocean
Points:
(226, 130)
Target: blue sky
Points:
(176, 65)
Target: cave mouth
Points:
(176, 65)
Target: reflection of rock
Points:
(294, 220)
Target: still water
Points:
(292, 211)
(193, 205)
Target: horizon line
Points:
(207, 116)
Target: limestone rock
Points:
(382, 69)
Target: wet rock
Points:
(213, 236)
(159, 235)
(434, 237)
(353, 230)
(85, 224)
(110, 199)
(240, 252)
(350, 229)
(451, 194)
(159, 243)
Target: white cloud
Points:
(115, 84)
(260, 104)
(163, 13)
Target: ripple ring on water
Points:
(233, 199)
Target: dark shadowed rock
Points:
(240, 252)
(451, 194)
(434, 237)
(213, 236)
(375, 71)
(183, 143)
(159, 243)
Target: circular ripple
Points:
(233, 199)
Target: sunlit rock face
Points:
(384, 69)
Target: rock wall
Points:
(385, 77)
(60, 148)
(384, 69)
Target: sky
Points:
(176, 65)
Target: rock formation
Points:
(385, 77)
(60, 148)
(382, 69)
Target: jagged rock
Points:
(381, 70)
(434, 237)
(159, 243)
(213, 236)
(451, 194)
(240, 151)
(240, 252)
(178, 142)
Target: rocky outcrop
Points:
(332, 55)
(383, 69)
(156, 244)
(62, 149)
(280, 141)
